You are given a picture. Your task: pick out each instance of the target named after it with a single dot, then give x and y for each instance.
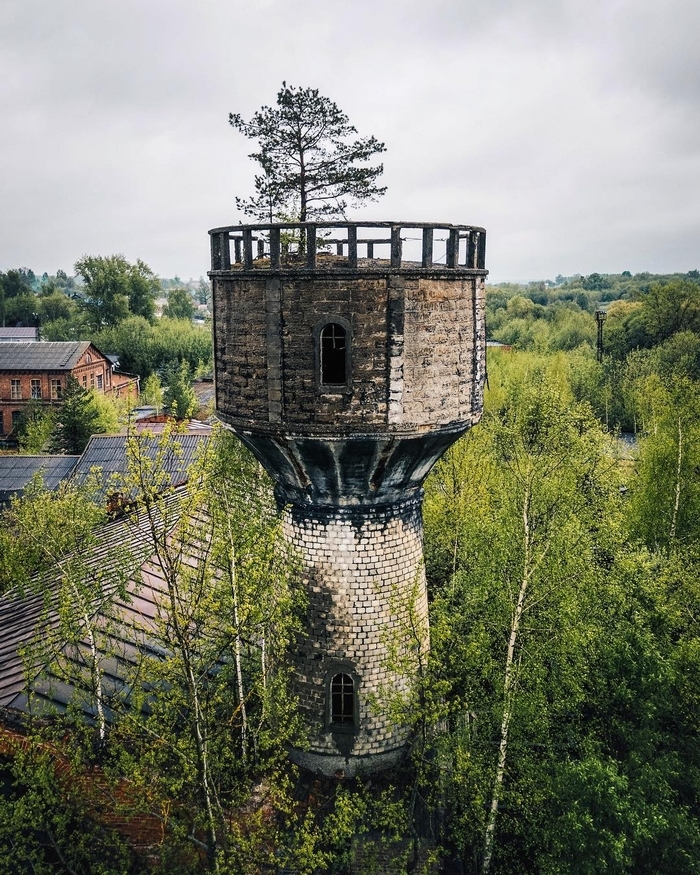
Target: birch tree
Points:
(529, 542)
(210, 690)
(665, 492)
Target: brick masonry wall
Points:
(444, 334)
(9, 405)
(418, 349)
(365, 580)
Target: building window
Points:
(85, 382)
(333, 350)
(342, 701)
(92, 379)
(99, 382)
(2, 422)
(35, 388)
(15, 390)
(56, 390)
(333, 359)
(16, 416)
(88, 359)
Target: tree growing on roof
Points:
(312, 167)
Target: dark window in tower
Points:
(334, 355)
(342, 700)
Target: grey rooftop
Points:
(16, 472)
(36, 663)
(41, 356)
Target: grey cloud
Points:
(570, 130)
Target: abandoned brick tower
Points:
(348, 370)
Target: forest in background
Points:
(556, 721)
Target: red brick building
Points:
(40, 372)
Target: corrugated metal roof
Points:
(41, 356)
(18, 334)
(32, 655)
(108, 453)
(17, 471)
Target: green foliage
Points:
(114, 289)
(152, 391)
(308, 161)
(665, 500)
(672, 307)
(143, 348)
(602, 753)
(80, 415)
(179, 398)
(47, 827)
(180, 304)
(35, 427)
(41, 526)
(219, 712)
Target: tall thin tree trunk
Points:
(508, 690)
(677, 500)
(237, 637)
(95, 670)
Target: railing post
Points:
(247, 249)
(396, 247)
(352, 247)
(452, 255)
(311, 247)
(220, 251)
(427, 247)
(370, 249)
(274, 248)
(237, 249)
(471, 250)
(339, 248)
(481, 252)
(261, 248)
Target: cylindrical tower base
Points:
(366, 627)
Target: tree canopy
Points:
(115, 289)
(311, 165)
(180, 304)
(81, 415)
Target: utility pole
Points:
(600, 316)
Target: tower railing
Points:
(353, 246)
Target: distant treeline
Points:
(113, 303)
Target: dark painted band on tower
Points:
(354, 470)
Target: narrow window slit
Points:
(333, 355)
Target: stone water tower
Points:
(348, 377)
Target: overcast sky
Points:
(569, 129)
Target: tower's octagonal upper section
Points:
(347, 328)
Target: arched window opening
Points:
(333, 355)
(342, 700)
